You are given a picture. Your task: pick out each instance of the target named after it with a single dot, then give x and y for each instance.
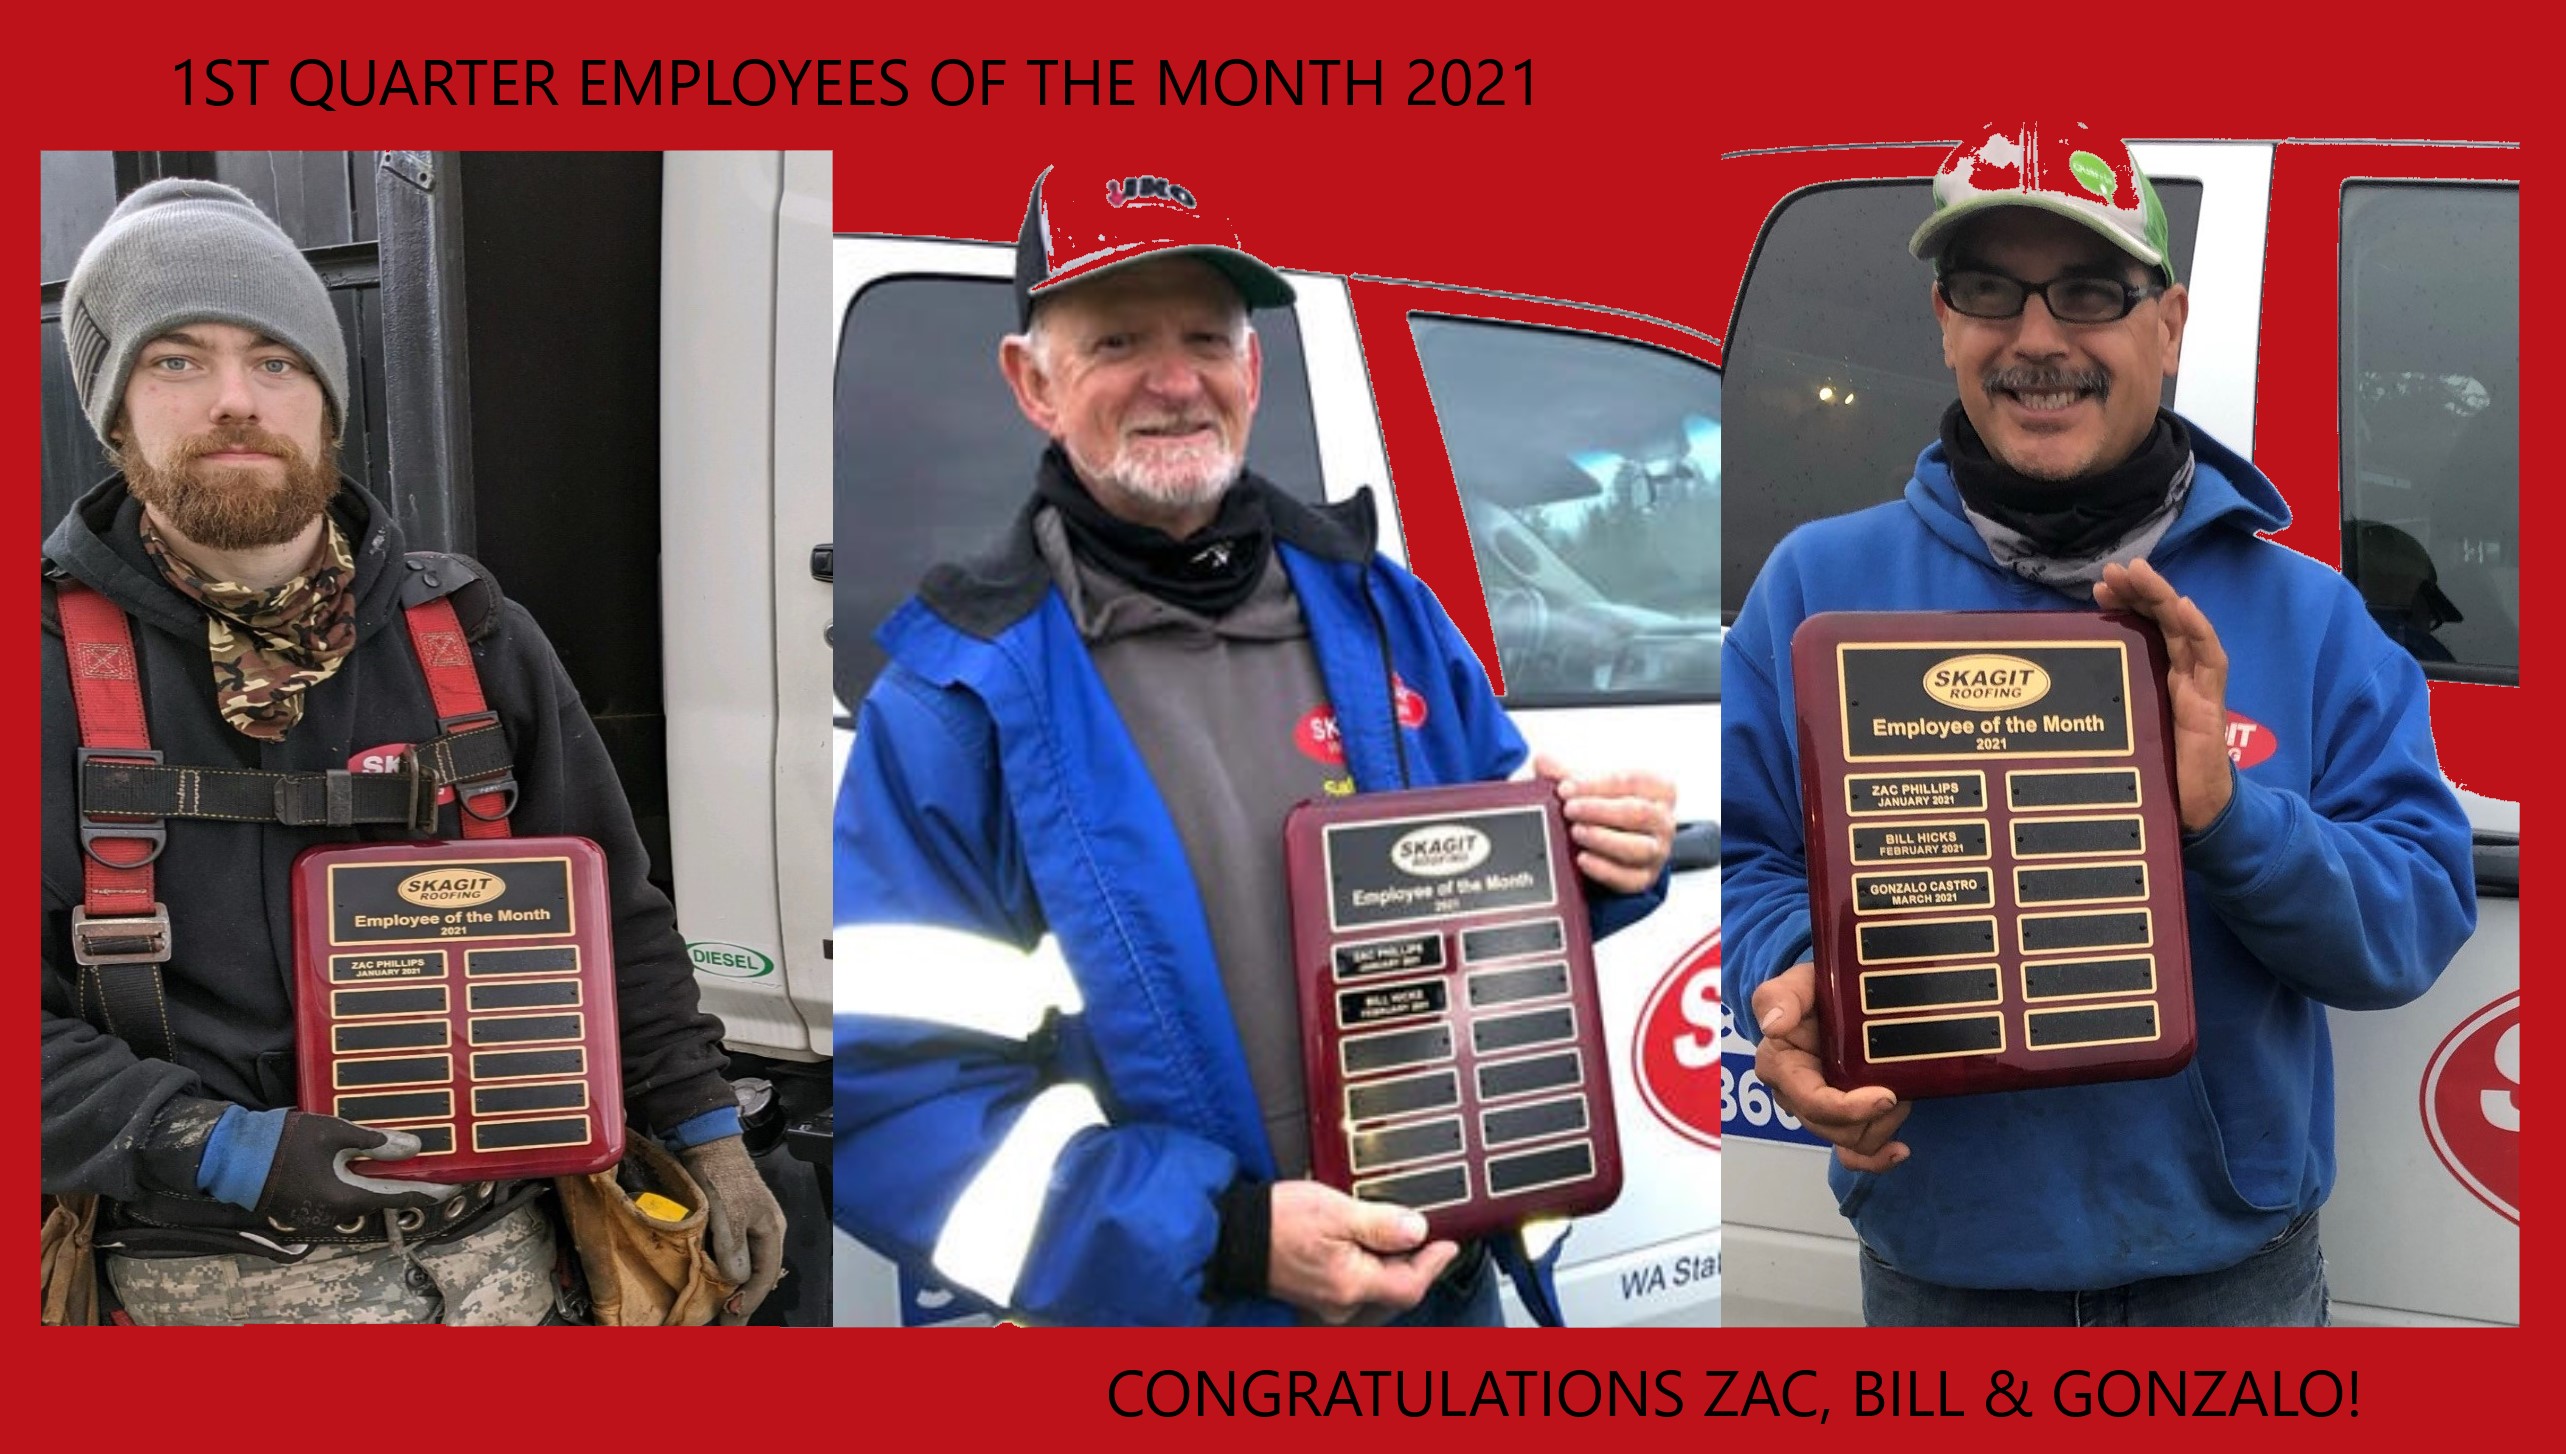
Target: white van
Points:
(1556, 481)
(2355, 331)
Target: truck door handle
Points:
(1697, 847)
(824, 561)
(2498, 861)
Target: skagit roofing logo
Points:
(2472, 1104)
(1147, 192)
(1678, 1055)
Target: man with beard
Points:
(2335, 872)
(266, 597)
(1084, 746)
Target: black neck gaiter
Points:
(1208, 572)
(2066, 519)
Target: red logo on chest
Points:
(2248, 742)
(387, 758)
(1322, 740)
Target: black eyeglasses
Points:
(1982, 294)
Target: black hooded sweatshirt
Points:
(229, 981)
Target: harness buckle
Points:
(148, 831)
(325, 799)
(502, 783)
(126, 939)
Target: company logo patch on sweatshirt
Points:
(387, 758)
(2248, 742)
(1323, 741)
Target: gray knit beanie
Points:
(183, 251)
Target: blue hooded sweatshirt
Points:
(2339, 875)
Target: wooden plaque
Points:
(463, 992)
(1449, 1023)
(1995, 859)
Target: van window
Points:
(933, 460)
(2432, 420)
(1589, 471)
(1837, 361)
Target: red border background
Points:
(1606, 191)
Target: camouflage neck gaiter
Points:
(270, 646)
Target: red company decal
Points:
(1678, 1054)
(387, 758)
(1412, 706)
(1317, 736)
(2248, 741)
(2472, 1104)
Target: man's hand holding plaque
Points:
(1860, 1122)
(2195, 685)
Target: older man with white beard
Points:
(1084, 746)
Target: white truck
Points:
(2354, 330)
(1551, 470)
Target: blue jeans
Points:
(2281, 1286)
(1463, 1298)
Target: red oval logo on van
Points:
(1678, 1054)
(2472, 1104)
(2248, 741)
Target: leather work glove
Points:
(293, 1168)
(743, 1227)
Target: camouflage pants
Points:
(500, 1275)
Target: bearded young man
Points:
(2336, 872)
(265, 596)
(1084, 746)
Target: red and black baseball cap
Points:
(1080, 226)
(2065, 169)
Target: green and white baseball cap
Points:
(2065, 169)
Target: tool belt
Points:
(120, 934)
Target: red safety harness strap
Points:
(106, 688)
(454, 685)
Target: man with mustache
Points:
(265, 597)
(1085, 745)
(2335, 872)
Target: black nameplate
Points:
(498, 898)
(1925, 989)
(433, 1140)
(1373, 1005)
(1437, 868)
(2077, 837)
(1420, 1190)
(2101, 1025)
(351, 1004)
(1923, 792)
(2045, 933)
(1926, 939)
(1390, 956)
(1497, 1034)
(552, 959)
(1993, 699)
(1929, 1039)
(1509, 1124)
(1514, 986)
(391, 1035)
(527, 1135)
(501, 1100)
(393, 1107)
(1522, 1077)
(1399, 1047)
(1919, 842)
(360, 968)
(401, 1070)
(1508, 941)
(540, 995)
(529, 1064)
(1399, 1145)
(2111, 787)
(2074, 978)
(1886, 893)
(1403, 1096)
(2101, 884)
(1533, 1170)
(518, 1029)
